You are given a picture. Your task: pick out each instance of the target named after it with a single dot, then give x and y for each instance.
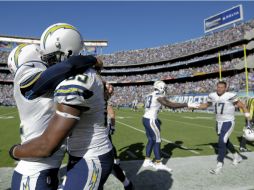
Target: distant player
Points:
(224, 105)
(153, 102)
(80, 115)
(135, 104)
(25, 62)
(117, 170)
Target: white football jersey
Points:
(89, 136)
(34, 118)
(223, 105)
(152, 106)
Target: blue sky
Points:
(126, 25)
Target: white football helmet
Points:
(59, 41)
(248, 134)
(21, 54)
(160, 86)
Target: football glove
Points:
(111, 129)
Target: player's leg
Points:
(224, 130)
(243, 147)
(221, 148)
(120, 175)
(89, 173)
(44, 180)
(118, 172)
(155, 125)
(150, 135)
(16, 181)
(236, 157)
(149, 146)
(106, 162)
(47, 179)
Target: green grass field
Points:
(183, 134)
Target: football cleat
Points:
(244, 149)
(217, 170)
(148, 163)
(160, 166)
(237, 159)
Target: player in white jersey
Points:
(153, 102)
(24, 61)
(135, 104)
(80, 115)
(224, 105)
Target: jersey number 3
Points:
(148, 101)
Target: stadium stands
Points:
(187, 67)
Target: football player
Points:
(224, 105)
(117, 170)
(25, 62)
(247, 130)
(153, 102)
(80, 114)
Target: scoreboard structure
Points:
(224, 18)
(90, 46)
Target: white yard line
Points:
(10, 113)
(165, 140)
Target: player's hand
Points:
(109, 91)
(98, 66)
(193, 105)
(112, 129)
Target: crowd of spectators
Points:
(6, 95)
(187, 72)
(171, 64)
(189, 47)
(4, 56)
(125, 95)
(6, 76)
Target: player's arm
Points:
(165, 102)
(205, 105)
(58, 129)
(208, 103)
(111, 114)
(242, 106)
(52, 76)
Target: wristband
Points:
(11, 152)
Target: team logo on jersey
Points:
(26, 186)
(94, 177)
(55, 28)
(17, 52)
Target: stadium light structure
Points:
(16, 39)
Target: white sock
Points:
(126, 182)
